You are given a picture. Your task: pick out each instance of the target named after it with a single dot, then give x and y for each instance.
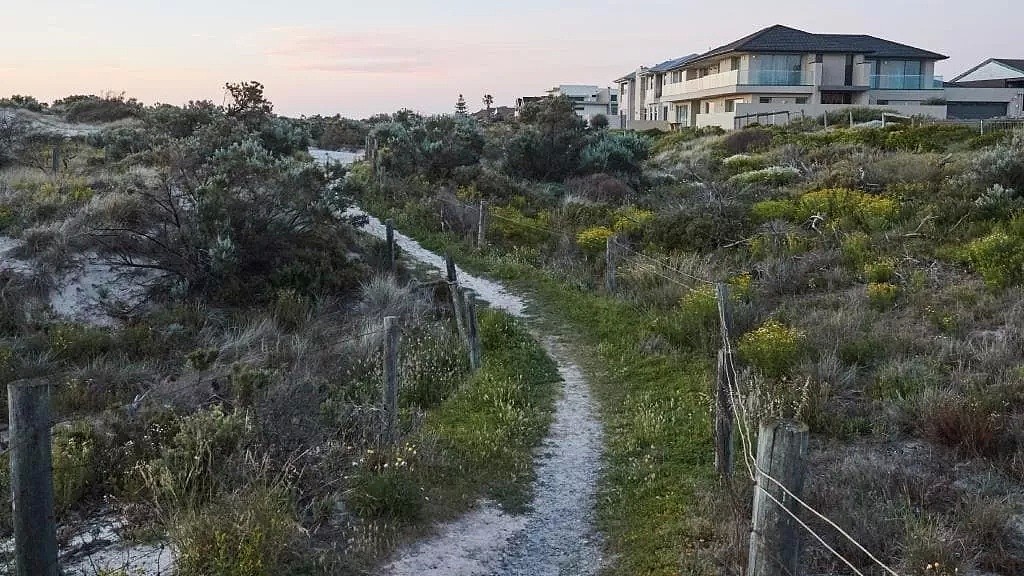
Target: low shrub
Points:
(594, 240)
(746, 141)
(998, 256)
(880, 271)
(741, 163)
(249, 533)
(773, 348)
(882, 295)
(74, 453)
(771, 176)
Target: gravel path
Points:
(557, 536)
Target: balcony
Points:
(905, 82)
(734, 78)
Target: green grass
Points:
(655, 497)
(478, 443)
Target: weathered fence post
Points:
(725, 383)
(390, 395)
(35, 525)
(475, 359)
(481, 232)
(981, 124)
(392, 257)
(724, 417)
(56, 158)
(851, 118)
(774, 542)
(453, 289)
(610, 283)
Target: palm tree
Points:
(488, 101)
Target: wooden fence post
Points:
(481, 232)
(453, 289)
(774, 541)
(390, 395)
(724, 311)
(35, 524)
(392, 257)
(724, 416)
(475, 359)
(610, 283)
(56, 158)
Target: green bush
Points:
(882, 295)
(199, 462)
(250, 533)
(694, 324)
(74, 455)
(594, 240)
(773, 348)
(771, 176)
(741, 163)
(880, 271)
(999, 256)
(614, 152)
(746, 141)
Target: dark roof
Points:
(780, 38)
(1012, 63)
(675, 63)
(1015, 64)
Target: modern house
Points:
(588, 101)
(640, 94)
(781, 72)
(992, 89)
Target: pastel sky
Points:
(359, 57)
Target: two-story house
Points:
(588, 101)
(784, 70)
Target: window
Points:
(676, 77)
(734, 63)
(836, 98)
(615, 97)
(883, 102)
(801, 100)
(819, 58)
(765, 100)
(615, 109)
(897, 75)
(707, 107)
(683, 114)
(775, 70)
(730, 105)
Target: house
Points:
(588, 101)
(496, 114)
(780, 72)
(992, 89)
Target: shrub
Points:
(741, 163)
(594, 240)
(693, 325)
(882, 295)
(95, 109)
(599, 122)
(631, 219)
(250, 533)
(773, 348)
(746, 141)
(693, 227)
(434, 363)
(614, 152)
(880, 271)
(999, 202)
(74, 452)
(848, 209)
(771, 176)
(999, 256)
(199, 461)
(1003, 165)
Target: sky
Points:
(358, 58)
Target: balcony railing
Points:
(905, 82)
(741, 78)
(776, 78)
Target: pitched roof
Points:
(780, 38)
(674, 63)
(1012, 63)
(1017, 65)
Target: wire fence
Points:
(745, 423)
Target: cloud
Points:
(361, 53)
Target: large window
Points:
(683, 114)
(897, 75)
(774, 70)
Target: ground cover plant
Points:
(211, 323)
(876, 294)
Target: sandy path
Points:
(557, 536)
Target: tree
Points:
(488, 101)
(599, 122)
(548, 144)
(460, 106)
(248, 101)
